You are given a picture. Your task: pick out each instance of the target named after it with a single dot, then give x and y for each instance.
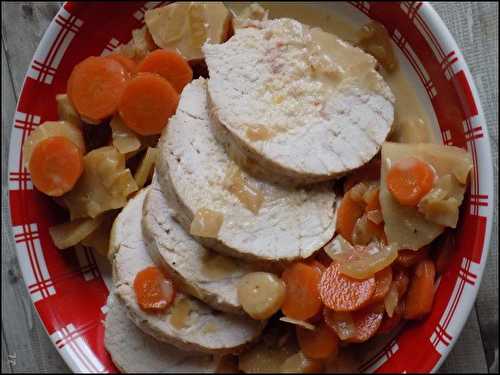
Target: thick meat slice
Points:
(134, 351)
(203, 273)
(300, 102)
(202, 329)
(250, 218)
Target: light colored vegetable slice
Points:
(360, 262)
(99, 238)
(406, 227)
(104, 185)
(146, 168)
(69, 234)
(300, 364)
(341, 322)
(296, 322)
(391, 300)
(66, 111)
(124, 139)
(441, 204)
(185, 26)
(261, 294)
(52, 129)
(265, 357)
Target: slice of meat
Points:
(198, 271)
(202, 328)
(300, 102)
(134, 351)
(256, 219)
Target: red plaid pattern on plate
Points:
(69, 288)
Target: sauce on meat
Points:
(218, 267)
(250, 196)
(206, 223)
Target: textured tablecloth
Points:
(25, 345)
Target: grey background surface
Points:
(25, 345)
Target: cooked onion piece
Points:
(124, 139)
(104, 185)
(360, 262)
(186, 26)
(261, 294)
(69, 234)
(66, 111)
(146, 168)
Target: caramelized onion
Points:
(360, 262)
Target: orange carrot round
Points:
(348, 213)
(421, 292)
(342, 293)
(367, 322)
(147, 103)
(95, 87)
(154, 292)
(302, 300)
(55, 165)
(170, 65)
(408, 258)
(129, 64)
(383, 281)
(321, 343)
(409, 180)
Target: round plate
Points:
(69, 288)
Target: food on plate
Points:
(186, 26)
(170, 65)
(280, 87)
(413, 227)
(198, 271)
(269, 218)
(200, 328)
(261, 294)
(135, 351)
(147, 102)
(104, 185)
(192, 170)
(95, 87)
(55, 164)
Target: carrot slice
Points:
(95, 87)
(56, 164)
(408, 258)
(348, 213)
(388, 324)
(367, 322)
(421, 292)
(170, 65)
(342, 293)
(302, 299)
(129, 64)
(153, 290)
(368, 172)
(321, 343)
(147, 103)
(409, 180)
(401, 280)
(383, 281)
